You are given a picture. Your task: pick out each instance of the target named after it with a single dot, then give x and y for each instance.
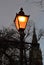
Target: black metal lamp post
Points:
(20, 21)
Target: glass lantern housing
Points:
(21, 20)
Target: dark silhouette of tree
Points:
(10, 45)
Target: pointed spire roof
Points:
(34, 37)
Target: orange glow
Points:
(16, 22)
(21, 22)
(22, 25)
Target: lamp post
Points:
(21, 21)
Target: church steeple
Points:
(34, 37)
(35, 54)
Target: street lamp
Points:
(21, 21)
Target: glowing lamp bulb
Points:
(22, 19)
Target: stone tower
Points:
(35, 54)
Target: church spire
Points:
(34, 37)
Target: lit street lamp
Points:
(21, 21)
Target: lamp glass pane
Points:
(16, 23)
(22, 21)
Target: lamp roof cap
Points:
(21, 12)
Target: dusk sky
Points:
(9, 8)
